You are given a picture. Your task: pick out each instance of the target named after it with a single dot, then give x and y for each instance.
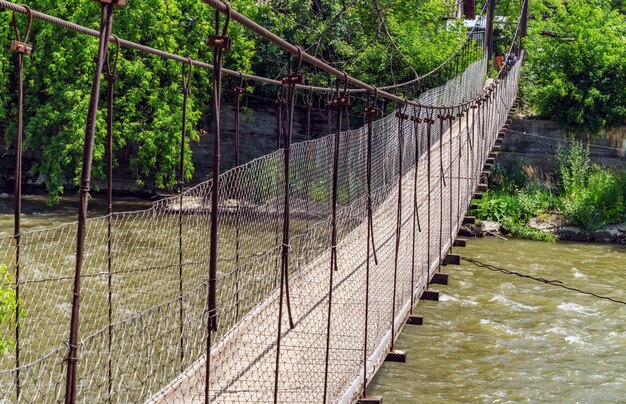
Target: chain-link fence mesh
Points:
(144, 300)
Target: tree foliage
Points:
(354, 36)
(576, 67)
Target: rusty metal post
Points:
(451, 118)
(370, 112)
(111, 78)
(524, 20)
(338, 102)
(290, 80)
(401, 118)
(442, 183)
(186, 75)
(20, 48)
(491, 5)
(416, 216)
(280, 101)
(219, 43)
(238, 91)
(429, 123)
(106, 22)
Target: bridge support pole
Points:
(489, 30)
(106, 22)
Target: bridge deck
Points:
(243, 362)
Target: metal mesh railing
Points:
(144, 321)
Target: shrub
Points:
(7, 307)
(600, 200)
(573, 166)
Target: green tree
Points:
(577, 75)
(377, 44)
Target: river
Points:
(492, 337)
(500, 338)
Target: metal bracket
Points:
(415, 119)
(219, 42)
(401, 115)
(21, 47)
(371, 111)
(293, 79)
(340, 101)
(239, 90)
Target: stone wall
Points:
(535, 142)
(257, 138)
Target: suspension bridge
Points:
(285, 279)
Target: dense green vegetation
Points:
(380, 42)
(7, 307)
(583, 194)
(575, 71)
(576, 67)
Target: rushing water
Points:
(36, 214)
(500, 338)
(492, 337)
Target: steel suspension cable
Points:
(429, 122)
(290, 80)
(370, 112)
(186, 75)
(106, 23)
(401, 118)
(312, 60)
(111, 77)
(20, 47)
(219, 42)
(237, 91)
(416, 215)
(338, 103)
(221, 7)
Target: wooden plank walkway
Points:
(243, 362)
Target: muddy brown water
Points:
(491, 337)
(500, 338)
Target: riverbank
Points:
(554, 227)
(575, 189)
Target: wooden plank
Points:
(431, 295)
(452, 259)
(478, 195)
(481, 188)
(490, 161)
(415, 320)
(439, 279)
(495, 149)
(460, 242)
(396, 356)
(473, 206)
(469, 220)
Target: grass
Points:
(587, 195)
